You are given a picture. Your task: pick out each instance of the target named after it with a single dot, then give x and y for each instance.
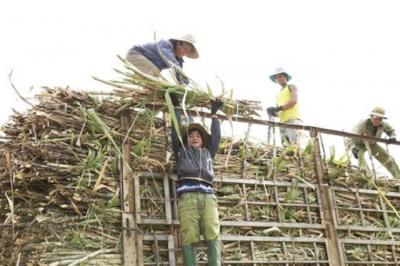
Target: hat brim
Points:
(194, 54)
(288, 77)
(378, 115)
(196, 126)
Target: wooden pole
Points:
(127, 196)
(334, 250)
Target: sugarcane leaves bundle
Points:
(140, 87)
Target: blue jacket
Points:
(194, 162)
(152, 52)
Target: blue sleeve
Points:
(215, 137)
(167, 51)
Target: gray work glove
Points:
(392, 139)
(174, 99)
(215, 105)
(355, 151)
(273, 110)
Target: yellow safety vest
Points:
(282, 98)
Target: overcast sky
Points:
(343, 55)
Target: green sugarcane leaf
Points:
(100, 123)
(171, 110)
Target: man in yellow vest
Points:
(286, 106)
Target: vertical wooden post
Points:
(127, 196)
(335, 255)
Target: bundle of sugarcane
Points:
(271, 231)
(273, 252)
(378, 254)
(137, 88)
(370, 210)
(155, 252)
(61, 191)
(243, 159)
(257, 161)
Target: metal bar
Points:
(316, 252)
(168, 216)
(139, 242)
(299, 127)
(360, 209)
(365, 210)
(394, 254)
(229, 180)
(366, 191)
(159, 237)
(175, 216)
(127, 197)
(284, 251)
(367, 228)
(377, 262)
(308, 207)
(246, 206)
(278, 211)
(167, 202)
(243, 224)
(253, 254)
(262, 262)
(278, 183)
(387, 223)
(137, 198)
(385, 217)
(332, 196)
(269, 262)
(369, 253)
(268, 203)
(225, 202)
(171, 250)
(370, 241)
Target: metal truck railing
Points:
(337, 225)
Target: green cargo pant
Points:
(198, 213)
(382, 156)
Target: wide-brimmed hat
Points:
(189, 38)
(278, 71)
(196, 126)
(378, 112)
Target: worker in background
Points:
(152, 58)
(286, 106)
(374, 126)
(197, 204)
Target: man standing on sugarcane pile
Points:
(152, 58)
(197, 205)
(286, 106)
(374, 126)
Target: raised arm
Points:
(215, 128)
(174, 136)
(390, 132)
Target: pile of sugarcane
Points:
(59, 181)
(136, 87)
